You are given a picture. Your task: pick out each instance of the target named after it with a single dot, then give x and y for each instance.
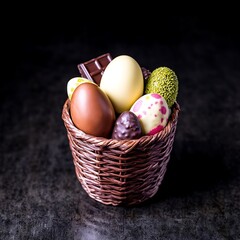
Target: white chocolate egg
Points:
(123, 82)
(152, 111)
(73, 83)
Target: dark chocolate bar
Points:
(94, 68)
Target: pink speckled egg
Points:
(152, 111)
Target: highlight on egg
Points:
(123, 82)
(92, 111)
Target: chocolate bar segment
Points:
(146, 73)
(94, 68)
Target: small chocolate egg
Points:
(73, 83)
(153, 112)
(92, 111)
(127, 126)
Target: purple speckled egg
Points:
(152, 111)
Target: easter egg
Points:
(163, 81)
(92, 111)
(152, 111)
(73, 83)
(123, 82)
(127, 126)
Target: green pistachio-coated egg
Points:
(163, 81)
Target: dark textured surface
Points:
(40, 197)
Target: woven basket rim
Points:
(90, 138)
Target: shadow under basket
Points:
(120, 172)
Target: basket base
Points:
(108, 194)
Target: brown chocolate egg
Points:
(127, 126)
(92, 111)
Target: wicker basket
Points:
(120, 172)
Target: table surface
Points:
(199, 198)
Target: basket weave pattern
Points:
(120, 172)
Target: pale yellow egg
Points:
(123, 82)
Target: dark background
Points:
(40, 197)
